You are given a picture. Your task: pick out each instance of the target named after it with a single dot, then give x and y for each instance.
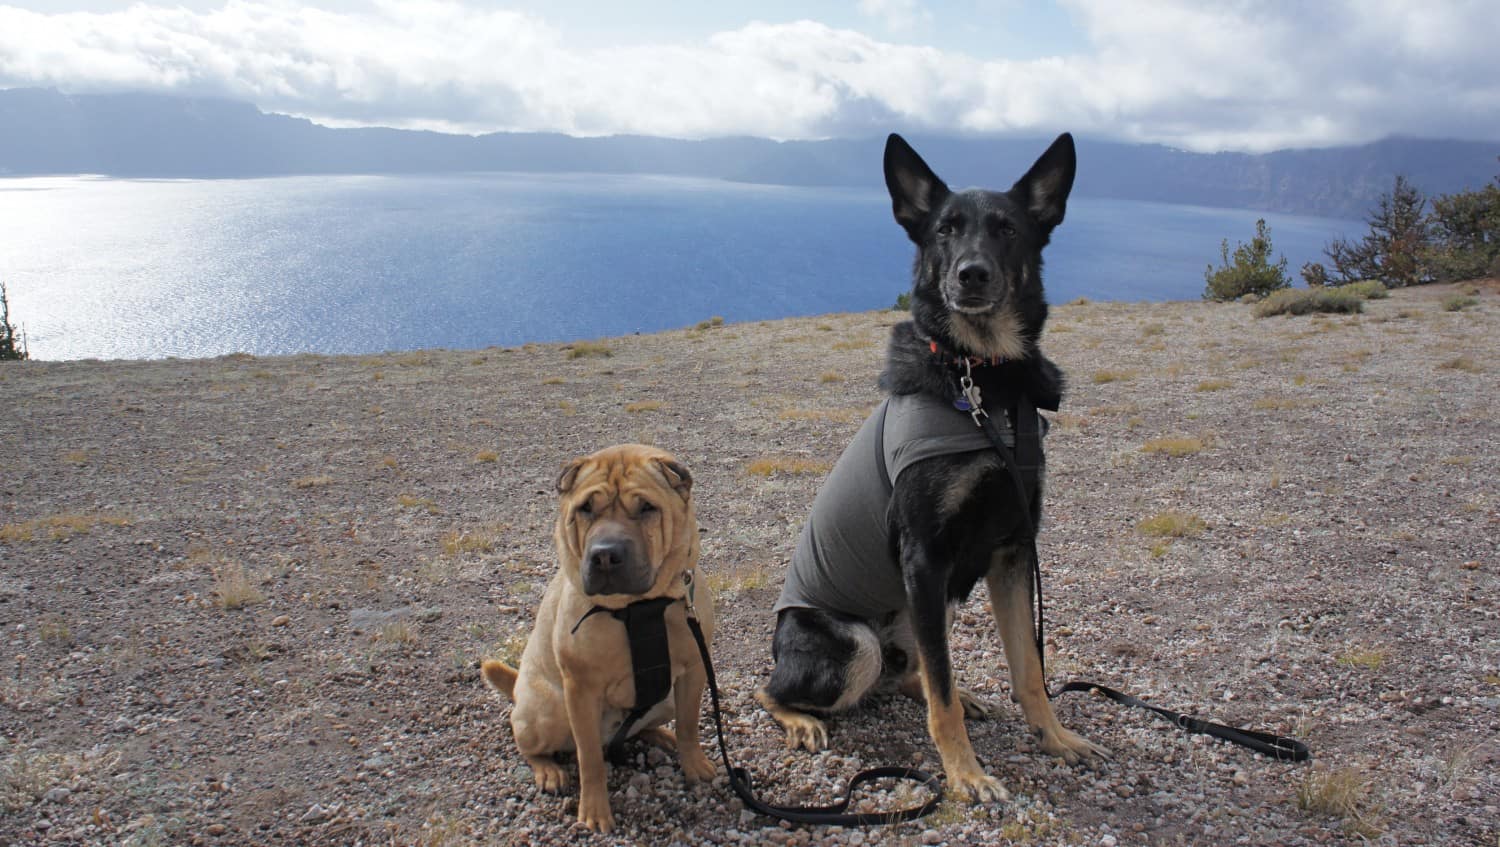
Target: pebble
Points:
(216, 829)
(57, 795)
(281, 620)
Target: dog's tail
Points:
(499, 676)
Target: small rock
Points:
(932, 836)
(216, 829)
(57, 795)
(281, 620)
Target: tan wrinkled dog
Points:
(625, 532)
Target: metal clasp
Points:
(971, 394)
(687, 580)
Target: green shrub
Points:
(903, 302)
(1302, 301)
(1369, 289)
(1248, 271)
(1458, 302)
(10, 348)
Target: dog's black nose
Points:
(974, 272)
(607, 555)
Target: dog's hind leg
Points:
(1010, 595)
(825, 662)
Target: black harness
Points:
(650, 660)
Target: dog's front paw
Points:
(976, 708)
(594, 813)
(696, 767)
(978, 787)
(550, 776)
(1070, 746)
(805, 732)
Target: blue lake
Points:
(108, 268)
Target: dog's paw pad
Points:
(1072, 747)
(980, 788)
(807, 733)
(550, 777)
(976, 708)
(696, 767)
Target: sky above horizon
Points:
(1201, 76)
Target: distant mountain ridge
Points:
(43, 131)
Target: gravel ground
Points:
(243, 600)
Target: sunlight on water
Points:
(107, 268)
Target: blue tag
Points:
(962, 404)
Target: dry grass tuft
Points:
(726, 583)
(584, 349)
(1342, 793)
(831, 376)
(786, 465)
(317, 481)
(457, 543)
(486, 456)
(1214, 384)
(1172, 524)
(1106, 376)
(57, 527)
(1174, 447)
(854, 344)
(27, 775)
(233, 588)
(1462, 363)
(643, 406)
(411, 501)
(1367, 659)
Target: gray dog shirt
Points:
(844, 559)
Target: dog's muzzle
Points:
(612, 564)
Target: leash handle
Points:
(834, 814)
(1279, 747)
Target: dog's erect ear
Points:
(568, 476)
(677, 476)
(915, 189)
(1044, 189)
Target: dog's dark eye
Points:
(945, 228)
(586, 509)
(1007, 228)
(646, 508)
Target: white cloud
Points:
(1241, 76)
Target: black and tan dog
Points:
(920, 507)
(625, 532)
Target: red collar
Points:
(949, 358)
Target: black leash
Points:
(834, 814)
(1028, 444)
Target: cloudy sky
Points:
(1199, 75)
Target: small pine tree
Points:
(1248, 271)
(1314, 274)
(10, 348)
(1392, 251)
(1464, 234)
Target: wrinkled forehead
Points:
(619, 479)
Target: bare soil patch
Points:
(243, 600)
